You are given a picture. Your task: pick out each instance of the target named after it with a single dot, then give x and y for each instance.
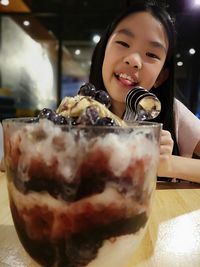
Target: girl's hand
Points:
(166, 144)
(166, 147)
(2, 165)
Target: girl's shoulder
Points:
(183, 114)
(187, 127)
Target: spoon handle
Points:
(129, 116)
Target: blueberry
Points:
(87, 89)
(33, 120)
(89, 116)
(105, 121)
(92, 114)
(74, 121)
(46, 113)
(59, 119)
(103, 97)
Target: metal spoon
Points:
(141, 105)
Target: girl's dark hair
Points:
(164, 92)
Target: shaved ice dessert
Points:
(80, 183)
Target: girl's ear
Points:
(162, 77)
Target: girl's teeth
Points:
(125, 76)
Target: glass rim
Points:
(136, 124)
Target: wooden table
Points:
(172, 238)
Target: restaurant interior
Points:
(45, 54)
(46, 48)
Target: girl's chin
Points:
(119, 97)
(118, 91)
(118, 106)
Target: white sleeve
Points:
(187, 129)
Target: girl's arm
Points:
(176, 166)
(180, 167)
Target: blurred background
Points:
(46, 48)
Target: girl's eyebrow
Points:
(126, 32)
(155, 44)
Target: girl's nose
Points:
(134, 60)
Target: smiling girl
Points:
(137, 49)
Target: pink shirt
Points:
(187, 129)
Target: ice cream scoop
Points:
(72, 107)
(141, 105)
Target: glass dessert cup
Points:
(80, 195)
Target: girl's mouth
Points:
(126, 79)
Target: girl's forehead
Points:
(140, 20)
(143, 24)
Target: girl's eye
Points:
(122, 43)
(152, 55)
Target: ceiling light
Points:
(179, 63)
(26, 23)
(197, 2)
(96, 38)
(192, 51)
(4, 2)
(77, 52)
